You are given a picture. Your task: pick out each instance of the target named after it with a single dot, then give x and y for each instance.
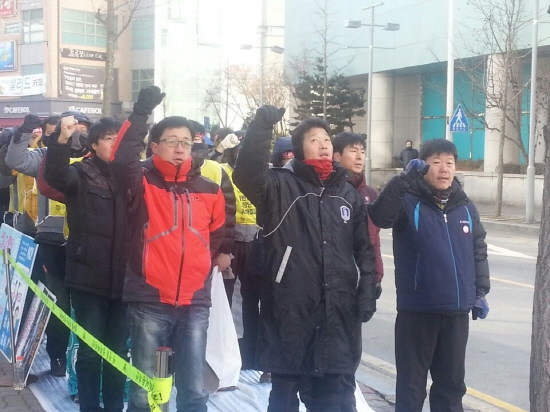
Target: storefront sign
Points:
(8, 62)
(82, 83)
(84, 54)
(30, 85)
(17, 109)
(8, 8)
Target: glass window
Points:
(176, 10)
(27, 69)
(82, 28)
(12, 28)
(141, 79)
(33, 26)
(143, 33)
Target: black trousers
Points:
(436, 343)
(329, 393)
(56, 331)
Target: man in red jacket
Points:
(349, 150)
(176, 220)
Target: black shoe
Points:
(58, 367)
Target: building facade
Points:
(410, 71)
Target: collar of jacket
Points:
(173, 173)
(458, 196)
(93, 166)
(357, 180)
(308, 173)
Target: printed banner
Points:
(30, 85)
(8, 63)
(82, 83)
(33, 330)
(22, 250)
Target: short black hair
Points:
(196, 127)
(170, 122)
(223, 132)
(347, 139)
(99, 129)
(52, 121)
(300, 131)
(437, 146)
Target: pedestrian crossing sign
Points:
(459, 121)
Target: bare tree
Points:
(108, 15)
(539, 383)
(236, 94)
(501, 22)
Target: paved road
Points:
(497, 368)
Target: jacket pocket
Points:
(284, 262)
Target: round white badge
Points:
(466, 229)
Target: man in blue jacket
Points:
(441, 274)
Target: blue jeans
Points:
(105, 319)
(183, 329)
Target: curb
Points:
(386, 370)
(513, 226)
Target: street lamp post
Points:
(530, 189)
(354, 24)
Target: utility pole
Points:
(450, 72)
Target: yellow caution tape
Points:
(158, 389)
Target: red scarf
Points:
(323, 167)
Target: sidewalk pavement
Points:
(15, 401)
(512, 219)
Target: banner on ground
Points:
(23, 251)
(33, 329)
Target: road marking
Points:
(493, 401)
(387, 256)
(475, 396)
(500, 251)
(511, 282)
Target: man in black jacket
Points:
(441, 273)
(319, 266)
(96, 255)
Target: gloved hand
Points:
(367, 316)
(149, 98)
(30, 123)
(268, 116)
(229, 142)
(480, 309)
(414, 171)
(378, 289)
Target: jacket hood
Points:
(284, 144)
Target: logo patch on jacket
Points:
(466, 229)
(345, 213)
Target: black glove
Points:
(415, 170)
(480, 309)
(30, 123)
(367, 316)
(268, 116)
(149, 98)
(378, 289)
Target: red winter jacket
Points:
(368, 194)
(176, 221)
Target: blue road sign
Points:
(459, 121)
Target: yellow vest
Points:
(212, 170)
(24, 196)
(246, 212)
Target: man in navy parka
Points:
(441, 274)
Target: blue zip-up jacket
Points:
(440, 255)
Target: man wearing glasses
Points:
(177, 223)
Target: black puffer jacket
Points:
(96, 214)
(319, 263)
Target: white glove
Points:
(229, 142)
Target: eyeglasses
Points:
(174, 143)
